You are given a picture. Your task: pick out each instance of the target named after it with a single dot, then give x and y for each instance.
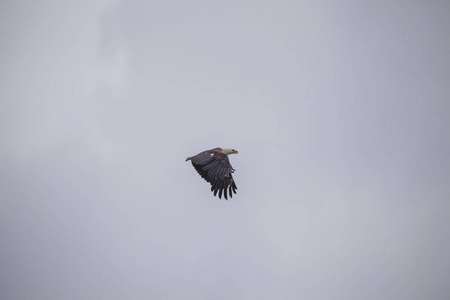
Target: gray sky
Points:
(340, 113)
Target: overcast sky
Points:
(340, 112)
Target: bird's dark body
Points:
(215, 168)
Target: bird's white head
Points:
(228, 151)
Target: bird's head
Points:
(229, 151)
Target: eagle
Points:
(214, 166)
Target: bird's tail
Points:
(189, 158)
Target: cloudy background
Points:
(340, 113)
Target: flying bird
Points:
(214, 166)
